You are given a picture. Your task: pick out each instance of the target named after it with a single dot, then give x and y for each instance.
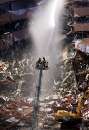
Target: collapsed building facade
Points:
(77, 26)
(14, 17)
(76, 49)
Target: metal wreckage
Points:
(67, 109)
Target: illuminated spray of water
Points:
(45, 28)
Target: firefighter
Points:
(38, 63)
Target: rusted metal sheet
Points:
(81, 27)
(83, 11)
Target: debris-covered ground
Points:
(16, 104)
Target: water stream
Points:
(46, 32)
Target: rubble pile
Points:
(81, 68)
(16, 81)
(15, 112)
(64, 79)
(69, 90)
(51, 105)
(16, 108)
(20, 74)
(17, 76)
(18, 112)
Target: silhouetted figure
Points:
(45, 63)
(38, 63)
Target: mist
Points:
(46, 32)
